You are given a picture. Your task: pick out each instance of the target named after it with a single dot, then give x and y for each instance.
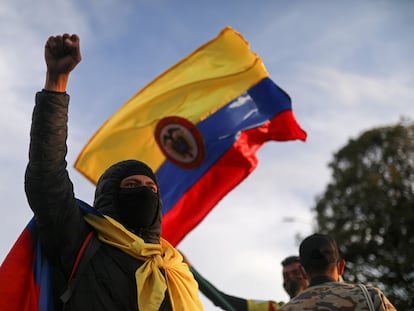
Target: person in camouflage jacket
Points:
(294, 281)
(320, 258)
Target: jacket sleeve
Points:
(48, 188)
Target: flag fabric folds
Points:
(198, 126)
(25, 276)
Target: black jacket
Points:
(108, 282)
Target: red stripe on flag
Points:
(234, 166)
(18, 291)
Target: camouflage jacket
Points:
(338, 296)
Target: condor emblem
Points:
(180, 141)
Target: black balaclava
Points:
(139, 209)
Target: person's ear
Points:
(341, 266)
(303, 272)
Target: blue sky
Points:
(347, 65)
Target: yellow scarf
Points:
(151, 283)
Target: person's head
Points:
(128, 191)
(294, 277)
(319, 255)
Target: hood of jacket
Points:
(107, 189)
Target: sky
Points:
(347, 66)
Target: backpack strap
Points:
(367, 297)
(89, 247)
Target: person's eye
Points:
(131, 185)
(153, 188)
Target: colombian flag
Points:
(25, 274)
(198, 126)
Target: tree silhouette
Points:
(368, 207)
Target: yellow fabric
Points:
(265, 305)
(151, 283)
(194, 88)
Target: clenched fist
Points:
(62, 54)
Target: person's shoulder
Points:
(355, 292)
(379, 298)
(314, 296)
(307, 297)
(341, 292)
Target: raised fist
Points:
(62, 54)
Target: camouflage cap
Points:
(318, 250)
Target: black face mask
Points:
(137, 207)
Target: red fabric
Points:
(18, 290)
(236, 164)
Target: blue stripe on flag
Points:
(252, 109)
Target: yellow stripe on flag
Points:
(196, 87)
